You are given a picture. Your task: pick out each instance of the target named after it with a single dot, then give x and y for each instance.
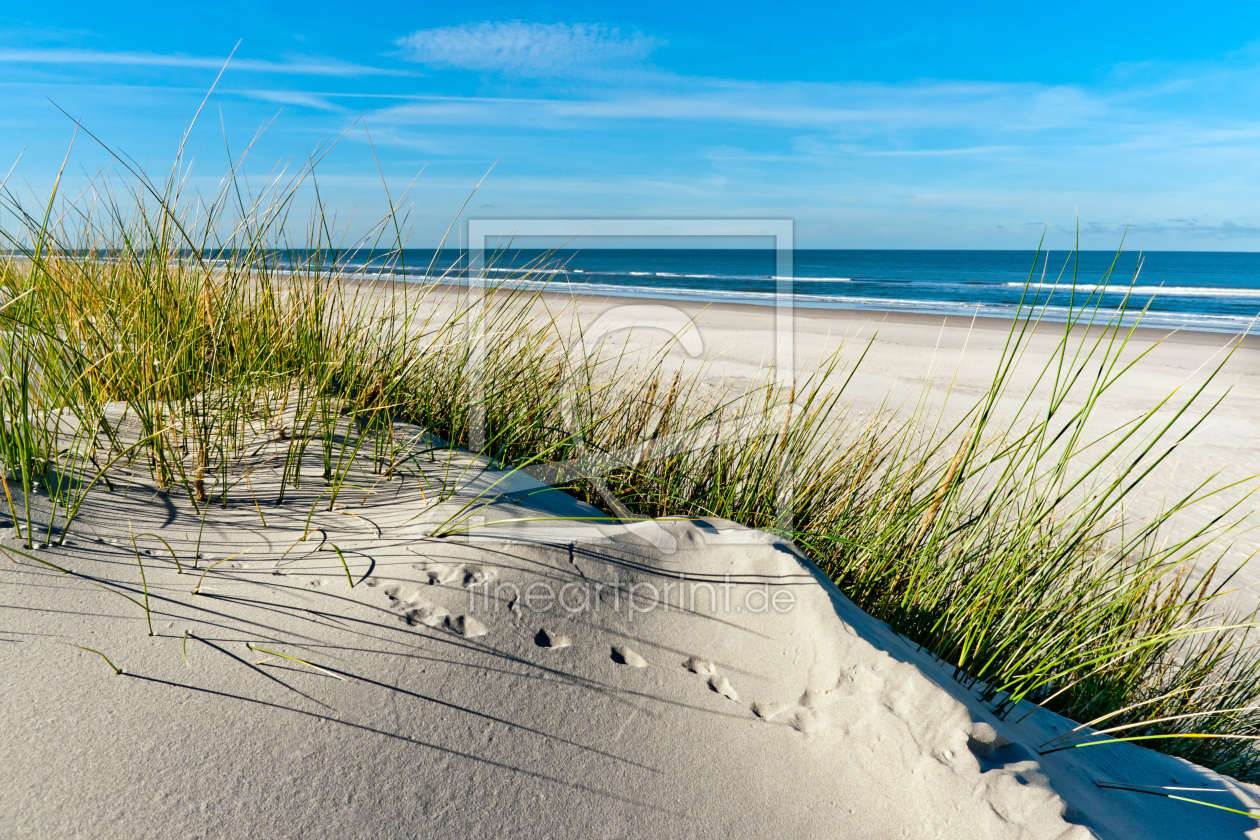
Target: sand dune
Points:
(524, 676)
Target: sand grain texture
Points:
(440, 697)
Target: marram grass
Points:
(140, 331)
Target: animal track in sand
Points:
(723, 686)
(400, 597)
(477, 575)
(426, 614)
(805, 715)
(717, 683)
(768, 711)
(411, 609)
(555, 641)
(466, 626)
(440, 574)
(623, 655)
(703, 667)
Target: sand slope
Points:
(521, 679)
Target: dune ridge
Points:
(544, 672)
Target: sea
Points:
(1194, 290)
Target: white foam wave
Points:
(1184, 291)
(1233, 324)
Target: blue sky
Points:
(911, 125)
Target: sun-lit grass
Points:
(159, 332)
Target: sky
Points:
(872, 125)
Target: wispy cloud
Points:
(527, 49)
(966, 150)
(840, 110)
(1185, 227)
(292, 97)
(301, 67)
(942, 120)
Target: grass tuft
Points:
(116, 669)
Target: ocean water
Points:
(1212, 291)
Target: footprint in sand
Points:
(425, 614)
(478, 575)
(440, 574)
(466, 626)
(802, 718)
(624, 655)
(723, 686)
(807, 721)
(768, 711)
(399, 597)
(407, 604)
(703, 667)
(554, 641)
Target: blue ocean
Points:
(1212, 291)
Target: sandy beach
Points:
(458, 651)
(942, 365)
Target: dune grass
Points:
(151, 330)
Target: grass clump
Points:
(149, 331)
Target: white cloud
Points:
(527, 49)
(302, 67)
(292, 97)
(854, 109)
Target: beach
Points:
(451, 647)
(941, 366)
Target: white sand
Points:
(444, 695)
(943, 365)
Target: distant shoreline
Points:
(989, 323)
(854, 316)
